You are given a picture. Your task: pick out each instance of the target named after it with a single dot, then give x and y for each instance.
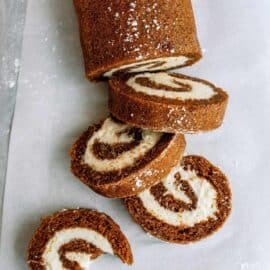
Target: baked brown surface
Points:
(117, 33)
(183, 233)
(146, 170)
(165, 114)
(77, 218)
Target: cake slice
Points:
(191, 203)
(167, 102)
(117, 160)
(72, 239)
(136, 36)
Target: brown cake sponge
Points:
(136, 35)
(71, 239)
(191, 203)
(117, 160)
(167, 102)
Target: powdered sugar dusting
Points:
(171, 111)
(139, 22)
(148, 173)
(138, 182)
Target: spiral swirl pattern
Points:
(192, 202)
(72, 239)
(167, 102)
(111, 157)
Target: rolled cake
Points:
(167, 102)
(192, 202)
(72, 239)
(117, 160)
(136, 35)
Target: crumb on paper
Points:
(16, 63)
(11, 84)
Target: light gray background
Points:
(55, 103)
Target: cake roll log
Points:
(117, 160)
(72, 239)
(167, 102)
(192, 202)
(136, 35)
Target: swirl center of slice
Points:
(115, 146)
(167, 85)
(51, 257)
(184, 202)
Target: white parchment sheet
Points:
(55, 103)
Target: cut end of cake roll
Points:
(152, 65)
(136, 36)
(72, 239)
(117, 160)
(167, 102)
(191, 203)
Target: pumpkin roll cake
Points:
(191, 202)
(136, 36)
(117, 160)
(72, 239)
(167, 102)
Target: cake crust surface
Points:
(134, 36)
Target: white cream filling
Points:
(108, 134)
(84, 259)
(205, 192)
(51, 257)
(169, 184)
(170, 62)
(199, 90)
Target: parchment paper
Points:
(12, 16)
(55, 103)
